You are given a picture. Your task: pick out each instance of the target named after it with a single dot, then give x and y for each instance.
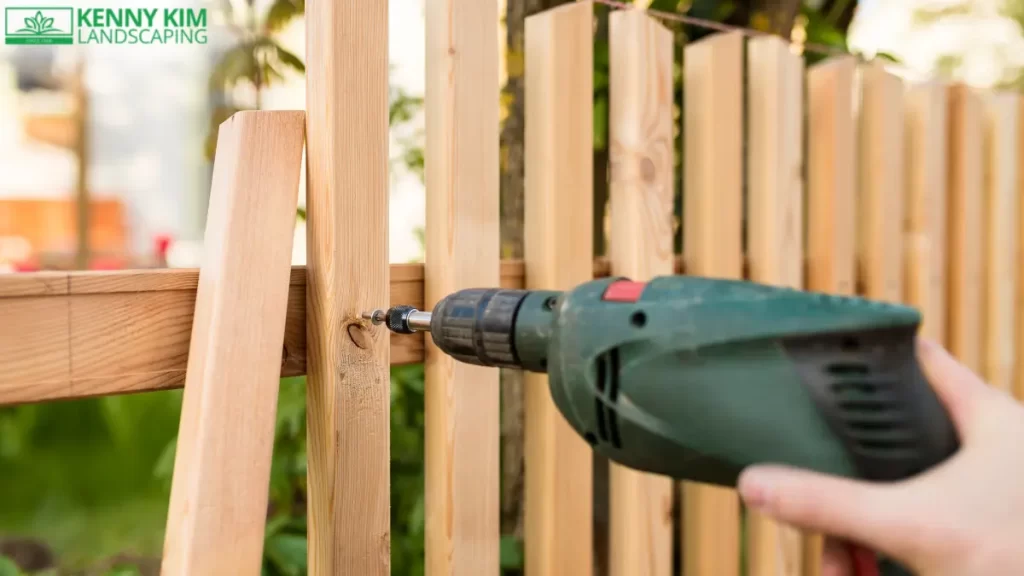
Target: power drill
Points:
(697, 378)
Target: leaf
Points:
(124, 571)
(287, 552)
(887, 56)
(600, 123)
(511, 550)
(8, 567)
(164, 467)
(290, 60)
(281, 12)
(235, 65)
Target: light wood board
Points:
(218, 505)
(712, 243)
(775, 91)
(348, 386)
(831, 203)
(1019, 377)
(964, 226)
(927, 108)
(558, 249)
(462, 400)
(641, 156)
(999, 244)
(881, 208)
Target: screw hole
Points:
(639, 319)
(590, 438)
(549, 304)
(850, 344)
(544, 363)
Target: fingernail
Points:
(755, 489)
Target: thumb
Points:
(874, 515)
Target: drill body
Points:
(697, 378)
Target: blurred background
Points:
(105, 163)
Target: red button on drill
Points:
(624, 291)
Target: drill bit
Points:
(400, 319)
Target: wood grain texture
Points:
(881, 209)
(964, 226)
(999, 293)
(640, 247)
(927, 107)
(128, 331)
(831, 203)
(461, 400)
(1018, 385)
(348, 386)
(558, 216)
(775, 92)
(712, 236)
(217, 512)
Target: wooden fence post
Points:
(462, 416)
(1018, 386)
(831, 200)
(775, 224)
(1000, 239)
(927, 149)
(559, 255)
(712, 232)
(881, 210)
(641, 247)
(218, 506)
(963, 230)
(348, 385)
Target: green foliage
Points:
(8, 567)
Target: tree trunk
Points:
(512, 190)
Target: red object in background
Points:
(163, 244)
(106, 264)
(27, 266)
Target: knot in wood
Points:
(360, 337)
(648, 171)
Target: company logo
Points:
(30, 25)
(34, 25)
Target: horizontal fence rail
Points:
(82, 334)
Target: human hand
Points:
(962, 517)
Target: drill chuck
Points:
(401, 319)
(474, 326)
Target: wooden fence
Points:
(839, 178)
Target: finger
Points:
(959, 389)
(875, 516)
(836, 559)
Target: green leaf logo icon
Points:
(38, 24)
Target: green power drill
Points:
(697, 378)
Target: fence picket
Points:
(712, 243)
(461, 400)
(831, 200)
(559, 254)
(964, 232)
(881, 208)
(1019, 372)
(348, 392)
(1000, 239)
(926, 109)
(775, 83)
(640, 247)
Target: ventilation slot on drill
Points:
(608, 387)
(868, 411)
